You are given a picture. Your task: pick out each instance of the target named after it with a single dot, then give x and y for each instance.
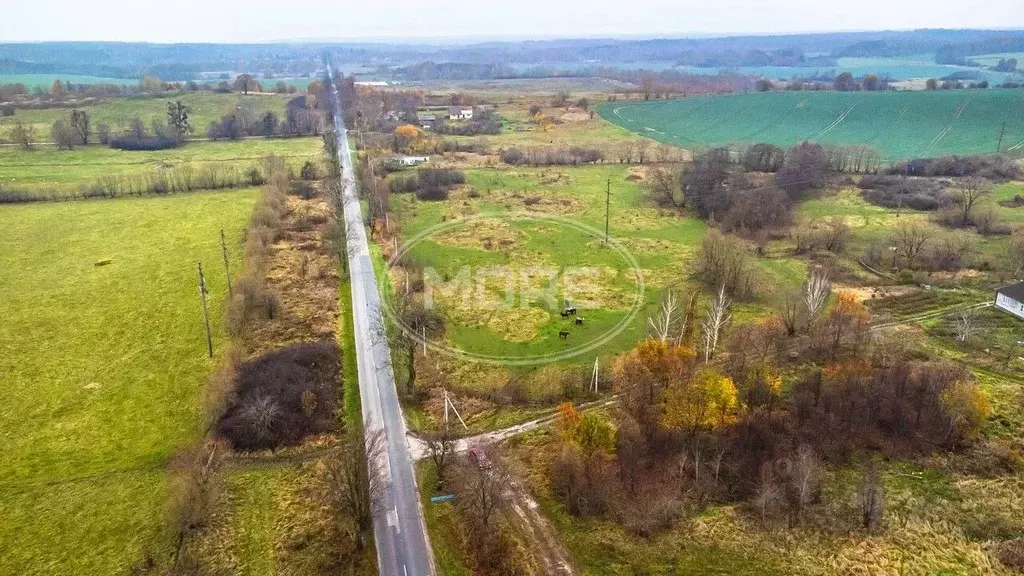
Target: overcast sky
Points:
(261, 20)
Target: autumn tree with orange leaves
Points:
(650, 367)
(848, 317)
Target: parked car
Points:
(478, 456)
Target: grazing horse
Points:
(579, 320)
(568, 312)
(563, 334)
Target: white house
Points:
(412, 160)
(1011, 299)
(460, 113)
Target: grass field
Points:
(102, 368)
(49, 169)
(46, 80)
(205, 107)
(899, 124)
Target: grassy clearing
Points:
(899, 124)
(59, 172)
(205, 107)
(661, 242)
(103, 366)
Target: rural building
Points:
(460, 113)
(1011, 299)
(407, 161)
(427, 121)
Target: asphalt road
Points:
(399, 530)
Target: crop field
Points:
(103, 356)
(205, 107)
(46, 80)
(898, 124)
(48, 169)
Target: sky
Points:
(262, 20)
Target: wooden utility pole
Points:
(206, 310)
(607, 209)
(1002, 133)
(227, 269)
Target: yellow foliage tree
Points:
(967, 407)
(706, 401)
(652, 365)
(407, 131)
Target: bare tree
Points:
(261, 415)
(790, 309)
(804, 482)
(965, 324)
(967, 195)
(196, 474)
(663, 323)
(769, 496)
(909, 239)
(63, 134)
(665, 186)
(440, 446)
(714, 321)
(642, 146)
(80, 124)
(816, 291)
(1016, 252)
(355, 482)
(23, 135)
(872, 498)
(482, 495)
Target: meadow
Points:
(204, 107)
(103, 355)
(899, 125)
(62, 172)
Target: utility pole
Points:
(447, 403)
(227, 269)
(206, 310)
(593, 379)
(1002, 133)
(607, 209)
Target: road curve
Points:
(399, 530)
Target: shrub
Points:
(309, 171)
(897, 191)
(432, 193)
(145, 143)
(283, 396)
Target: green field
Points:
(899, 124)
(46, 80)
(205, 107)
(102, 369)
(51, 170)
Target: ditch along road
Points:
(399, 530)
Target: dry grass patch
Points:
(482, 234)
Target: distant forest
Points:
(177, 62)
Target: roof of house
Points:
(459, 109)
(1015, 291)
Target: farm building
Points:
(406, 161)
(426, 121)
(460, 113)
(1011, 299)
